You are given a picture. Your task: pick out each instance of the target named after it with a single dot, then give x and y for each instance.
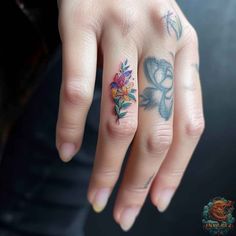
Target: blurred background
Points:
(39, 195)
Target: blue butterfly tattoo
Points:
(159, 95)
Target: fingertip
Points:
(67, 151)
(153, 197)
(162, 198)
(116, 215)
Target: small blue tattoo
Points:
(173, 24)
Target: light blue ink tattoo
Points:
(173, 24)
(196, 66)
(159, 74)
(148, 181)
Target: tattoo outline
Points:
(173, 24)
(196, 66)
(159, 73)
(172, 55)
(148, 181)
(122, 90)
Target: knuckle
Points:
(77, 93)
(160, 140)
(86, 14)
(125, 129)
(157, 21)
(157, 5)
(157, 10)
(195, 126)
(190, 36)
(125, 17)
(165, 21)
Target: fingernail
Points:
(100, 199)
(164, 198)
(67, 151)
(128, 217)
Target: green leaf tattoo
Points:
(131, 96)
(121, 115)
(126, 105)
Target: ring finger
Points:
(188, 126)
(153, 137)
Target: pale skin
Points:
(166, 121)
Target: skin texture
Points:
(160, 48)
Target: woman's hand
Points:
(151, 97)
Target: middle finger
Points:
(118, 117)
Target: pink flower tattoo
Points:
(123, 93)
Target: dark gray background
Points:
(211, 172)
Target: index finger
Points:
(79, 68)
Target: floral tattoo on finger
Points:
(122, 90)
